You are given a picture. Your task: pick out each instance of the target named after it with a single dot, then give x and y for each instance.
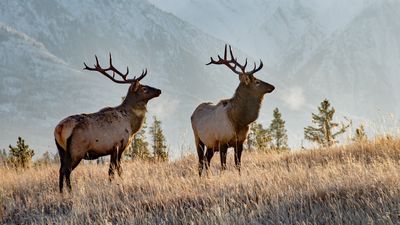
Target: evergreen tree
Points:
(251, 136)
(139, 148)
(360, 134)
(278, 131)
(324, 133)
(159, 146)
(258, 137)
(21, 155)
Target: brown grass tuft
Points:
(357, 184)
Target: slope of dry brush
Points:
(357, 184)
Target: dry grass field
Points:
(356, 184)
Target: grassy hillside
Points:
(357, 184)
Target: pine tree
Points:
(21, 155)
(139, 148)
(324, 133)
(159, 147)
(360, 134)
(258, 137)
(251, 136)
(278, 131)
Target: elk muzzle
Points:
(271, 88)
(158, 92)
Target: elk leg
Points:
(222, 153)
(209, 155)
(65, 161)
(64, 168)
(200, 152)
(61, 180)
(113, 165)
(70, 168)
(119, 168)
(66, 171)
(61, 153)
(238, 155)
(68, 179)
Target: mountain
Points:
(359, 64)
(37, 89)
(348, 53)
(266, 28)
(311, 49)
(46, 43)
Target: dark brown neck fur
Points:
(244, 107)
(135, 110)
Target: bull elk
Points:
(106, 132)
(218, 127)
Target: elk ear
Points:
(134, 87)
(244, 78)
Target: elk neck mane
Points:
(244, 107)
(135, 109)
(131, 101)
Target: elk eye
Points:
(145, 90)
(257, 82)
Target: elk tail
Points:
(61, 150)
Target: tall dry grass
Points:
(357, 184)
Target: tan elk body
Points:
(212, 124)
(106, 132)
(218, 127)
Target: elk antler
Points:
(233, 61)
(98, 68)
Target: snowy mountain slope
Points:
(345, 51)
(360, 64)
(35, 89)
(311, 49)
(266, 28)
(356, 67)
(134, 30)
(138, 34)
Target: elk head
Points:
(137, 92)
(247, 79)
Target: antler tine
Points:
(225, 52)
(259, 67)
(144, 73)
(112, 68)
(97, 61)
(86, 66)
(244, 66)
(211, 61)
(232, 63)
(230, 51)
(114, 71)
